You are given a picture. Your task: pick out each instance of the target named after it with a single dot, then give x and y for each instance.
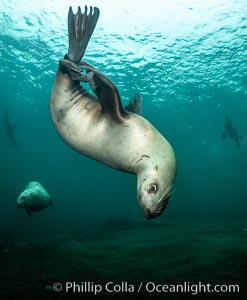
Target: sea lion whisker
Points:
(168, 193)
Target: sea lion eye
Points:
(153, 188)
(23, 197)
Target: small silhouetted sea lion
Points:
(34, 198)
(101, 128)
(231, 131)
(9, 127)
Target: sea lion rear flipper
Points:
(135, 105)
(80, 29)
(238, 140)
(73, 69)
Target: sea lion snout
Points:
(20, 203)
(155, 210)
(153, 193)
(149, 213)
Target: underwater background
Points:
(188, 61)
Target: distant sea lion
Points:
(101, 128)
(231, 131)
(9, 127)
(34, 198)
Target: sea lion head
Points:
(24, 198)
(154, 191)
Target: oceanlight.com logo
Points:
(193, 289)
(148, 287)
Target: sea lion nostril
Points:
(149, 215)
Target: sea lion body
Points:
(10, 128)
(34, 198)
(100, 128)
(231, 131)
(79, 119)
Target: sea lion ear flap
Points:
(135, 105)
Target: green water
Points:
(188, 61)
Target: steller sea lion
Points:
(99, 127)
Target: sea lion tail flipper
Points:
(135, 105)
(80, 29)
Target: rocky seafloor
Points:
(128, 260)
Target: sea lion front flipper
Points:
(135, 105)
(108, 96)
(102, 86)
(106, 91)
